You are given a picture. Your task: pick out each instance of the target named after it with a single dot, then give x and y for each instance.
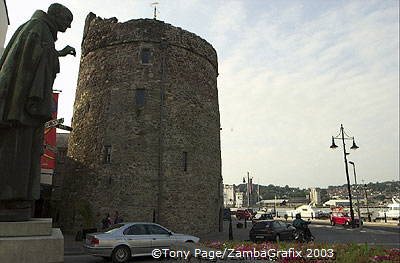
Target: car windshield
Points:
(113, 228)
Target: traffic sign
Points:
(53, 123)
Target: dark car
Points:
(271, 230)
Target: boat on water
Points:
(393, 211)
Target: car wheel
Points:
(277, 238)
(332, 223)
(121, 254)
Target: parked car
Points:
(123, 241)
(244, 214)
(262, 216)
(339, 217)
(271, 230)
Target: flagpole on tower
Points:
(155, 9)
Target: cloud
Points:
(289, 82)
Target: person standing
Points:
(117, 218)
(106, 222)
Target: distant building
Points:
(239, 199)
(339, 202)
(229, 196)
(315, 196)
(4, 22)
(298, 200)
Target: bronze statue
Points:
(28, 68)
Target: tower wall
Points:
(154, 160)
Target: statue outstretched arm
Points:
(68, 50)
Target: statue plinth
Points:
(31, 241)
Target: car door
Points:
(160, 237)
(139, 239)
(277, 229)
(286, 232)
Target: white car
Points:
(123, 241)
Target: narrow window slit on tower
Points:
(107, 154)
(140, 97)
(145, 55)
(185, 161)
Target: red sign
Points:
(48, 159)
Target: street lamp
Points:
(341, 136)
(247, 188)
(357, 192)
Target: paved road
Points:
(374, 236)
(380, 236)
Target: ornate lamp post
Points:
(341, 136)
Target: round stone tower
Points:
(146, 126)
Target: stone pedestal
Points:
(33, 241)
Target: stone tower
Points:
(146, 138)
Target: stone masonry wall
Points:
(165, 154)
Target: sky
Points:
(290, 73)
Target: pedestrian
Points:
(106, 222)
(117, 218)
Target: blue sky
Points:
(290, 73)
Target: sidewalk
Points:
(72, 247)
(239, 234)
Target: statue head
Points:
(61, 15)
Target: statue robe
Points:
(28, 68)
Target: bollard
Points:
(245, 222)
(385, 218)
(291, 215)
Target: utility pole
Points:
(358, 202)
(366, 201)
(248, 189)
